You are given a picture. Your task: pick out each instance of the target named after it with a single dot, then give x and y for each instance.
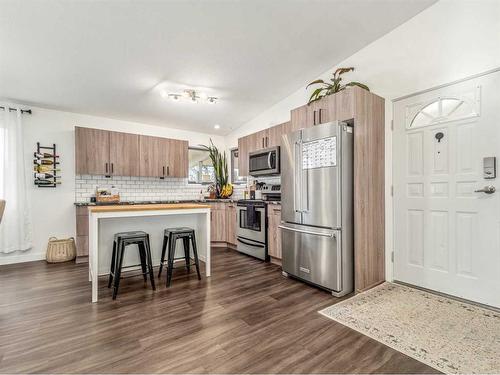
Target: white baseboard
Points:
(20, 257)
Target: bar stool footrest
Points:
(184, 266)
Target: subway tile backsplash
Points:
(143, 188)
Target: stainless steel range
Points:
(251, 232)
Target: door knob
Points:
(487, 189)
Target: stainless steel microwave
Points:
(264, 162)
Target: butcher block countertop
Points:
(148, 207)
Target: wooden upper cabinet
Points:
(276, 132)
(257, 141)
(151, 156)
(261, 140)
(102, 152)
(163, 157)
(92, 151)
(274, 135)
(341, 106)
(298, 118)
(318, 113)
(177, 158)
(310, 115)
(124, 154)
(243, 151)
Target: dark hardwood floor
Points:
(246, 318)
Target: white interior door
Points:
(446, 231)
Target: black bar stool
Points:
(170, 237)
(121, 241)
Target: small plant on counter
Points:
(333, 87)
(223, 188)
(212, 191)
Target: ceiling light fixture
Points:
(192, 96)
(216, 126)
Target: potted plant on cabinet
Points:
(336, 85)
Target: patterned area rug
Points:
(448, 335)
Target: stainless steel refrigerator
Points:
(317, 206)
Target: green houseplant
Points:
(335, 85)
(219, 161)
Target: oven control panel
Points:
(271, 189)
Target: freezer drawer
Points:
(313, 255)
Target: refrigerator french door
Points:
(317, 206)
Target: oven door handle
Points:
(248, 243)
(269, 156)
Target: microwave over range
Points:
(264, 162)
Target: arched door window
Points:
(442, 109)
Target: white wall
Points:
(52, 209)
(452, 39)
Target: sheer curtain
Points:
(15, 228)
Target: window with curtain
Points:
(15, 226)
(201, 170)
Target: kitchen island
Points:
(105, 221)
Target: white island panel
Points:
(153, 219)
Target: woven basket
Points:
(60, 250)
(108, 198)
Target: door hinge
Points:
(392, 256)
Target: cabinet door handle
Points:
(314, 117)
(267, 141)
(319, 122)
(262, 142)
(168, 170)
(163, 171)
(106, 167)
(112, 167)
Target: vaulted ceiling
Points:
(112, 58)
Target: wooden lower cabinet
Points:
(223, 224)
(231, 223)
(218, 232)
(273, 232)
(82, 232)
